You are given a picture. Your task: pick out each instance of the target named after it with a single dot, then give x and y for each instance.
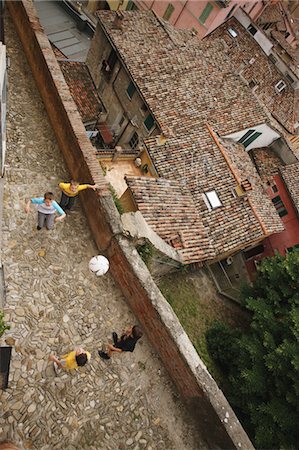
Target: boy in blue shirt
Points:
(46, 209)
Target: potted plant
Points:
(5, 355)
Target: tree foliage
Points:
(262, 365)
(3, 326)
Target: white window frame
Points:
(232, 32)
(136, 141)
(280, 86)
(211, 200)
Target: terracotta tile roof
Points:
(271, 14)
(205, 167)
(58, 53)
(292, 52)
(184, 81)
(241, 50)
(83, 90)
(169, 209)
(290, 175)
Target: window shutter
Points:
(131, 89)
(168, 11)
(206, 12)
(251, 138)
(149, 122)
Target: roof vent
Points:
(161, 139)
(241, 189)
(280, 86)
(118, 20)
(229, 260)
(238, 191)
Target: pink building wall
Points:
(186, 13)
(279, 242)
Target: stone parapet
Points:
(216, 418)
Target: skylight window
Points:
(212, 200)
(280, 86)
(232, 32)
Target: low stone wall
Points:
(216, 418)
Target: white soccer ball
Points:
(99, 265)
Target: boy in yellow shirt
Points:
(70, 192)
(72, 360)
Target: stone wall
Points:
(191, 377)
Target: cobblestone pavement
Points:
(55, 304)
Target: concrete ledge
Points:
(217, 420)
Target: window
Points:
(130, 90)
(205, 14)
(252, 30)
(232, 32)
(258, 250)
(168, 11)
(294, 248)
(280, 86)
(266, 26)
(280, 208)
(149, 122)
(252, 84)
(272, 58)
(122, 119)
(211, 199)
(249, 137)
(131, 6)
(289, 78)
(133, 142)
(274, 188)
(112, 58)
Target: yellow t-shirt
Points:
(70, 360)
(66, 188)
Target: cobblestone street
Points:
(54, 304)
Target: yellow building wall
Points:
(145, 159)
(127, 201)
(117, 4)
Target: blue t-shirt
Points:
(43, 208)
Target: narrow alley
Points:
(54, 304)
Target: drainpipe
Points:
(2, 21)
(180, 13)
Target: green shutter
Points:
(131, 6)
(251, 138)
(149, 122)
(246, 135)
(206, 12)
(131, 89)
(168, 11)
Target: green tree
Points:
(262, 365)
(3, 327)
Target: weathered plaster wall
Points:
(215, 416)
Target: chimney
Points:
(117, 152)
(118, 20)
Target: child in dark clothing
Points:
(126, 343)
